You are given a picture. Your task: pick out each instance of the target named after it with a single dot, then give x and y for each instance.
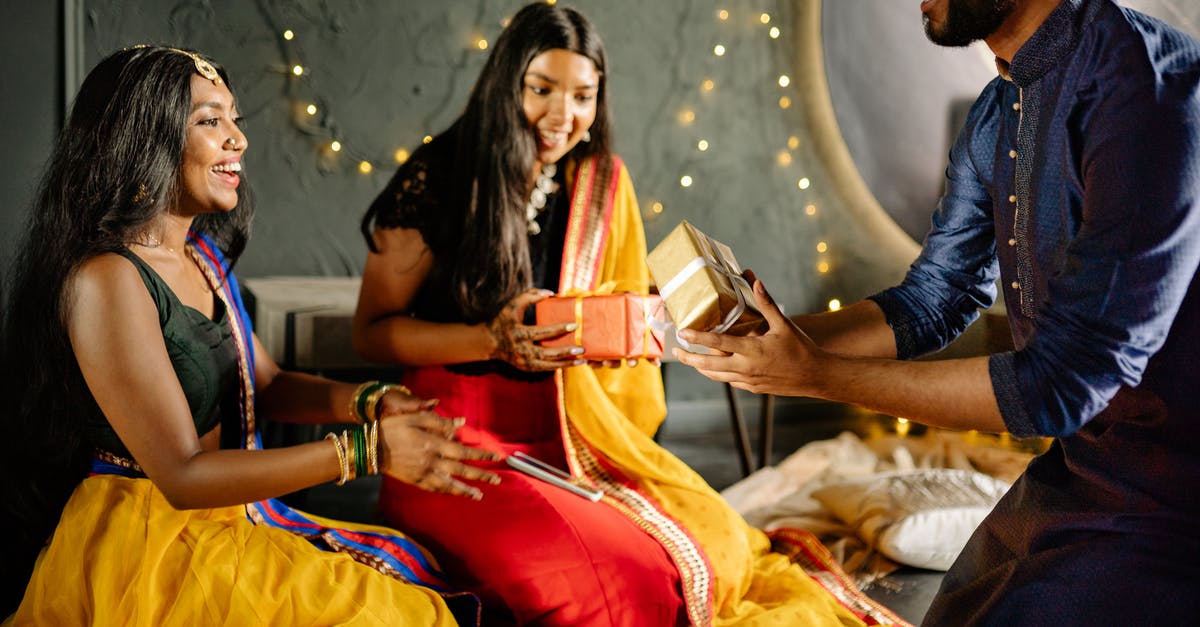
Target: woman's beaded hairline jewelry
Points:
(203, 68)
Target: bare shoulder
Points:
(107, 281)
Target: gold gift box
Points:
(700, 283)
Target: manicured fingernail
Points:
(579, 362)
(458, 422)
(476, 495)
(494, 480)
(686, 334)
(571, 326)
(577, 350)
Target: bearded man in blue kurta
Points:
(1076, 181)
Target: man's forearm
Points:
(952, 394)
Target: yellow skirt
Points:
(122, 555)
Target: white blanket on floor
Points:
(874, 503)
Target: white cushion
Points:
(922, 518)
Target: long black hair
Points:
(496, 149)
(115, 168)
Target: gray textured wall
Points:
(384, 74)
(31, 84)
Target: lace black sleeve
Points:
(408, 202)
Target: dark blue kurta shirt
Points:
(1076, 178)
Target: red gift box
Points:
(610, 326)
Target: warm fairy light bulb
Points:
(764, 18)
(902, 426)
(657, 207)
(311, 109)
(289, 35)
(708, 84)
(687, 116)
(426, 139)
(401, 155)
(823, 267)
(835, 304)
(793, 142)
(702, 145)
(481, 43)
(785, 102)
(551, 2)
(335, 146)
(719, 50)
(297, 70)
(783, 158)
(685, 181)
(774, 32)
(365, 167)
(822, 247)
(722, 15)
(810, 210)
(803, 183)
(784, 80)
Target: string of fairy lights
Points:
(784, 154)
(311, 115)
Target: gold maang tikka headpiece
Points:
(203, 68)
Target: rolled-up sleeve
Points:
(954, 276)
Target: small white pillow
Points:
(922, 518)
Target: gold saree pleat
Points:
(610, 414)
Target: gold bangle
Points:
(373, 400)
(343, 467)
(350, 456)
(372, 432)
(355, 415)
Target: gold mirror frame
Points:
(812, 87)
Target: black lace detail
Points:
(408, 201)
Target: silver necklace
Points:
(542, 188)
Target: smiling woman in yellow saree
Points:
(131, 468)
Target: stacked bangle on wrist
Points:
(365, 402)
(358, 400)
(344, 467)
(357, 451)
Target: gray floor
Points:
(701, 435)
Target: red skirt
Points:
(534, 553)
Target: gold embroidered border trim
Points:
(587, 225)
(695, 573)
(240, 340)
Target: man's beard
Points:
(968, 21)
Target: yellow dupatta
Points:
(609, 415)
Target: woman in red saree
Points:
(521, 198)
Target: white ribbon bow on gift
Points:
(689, 270)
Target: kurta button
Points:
(1012, 199)
(1012, 242)
(1012, 153)
(1016, 286)
(1016, 106)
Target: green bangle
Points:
(360, 450)
(360, 403)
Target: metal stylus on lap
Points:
(537, 468)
